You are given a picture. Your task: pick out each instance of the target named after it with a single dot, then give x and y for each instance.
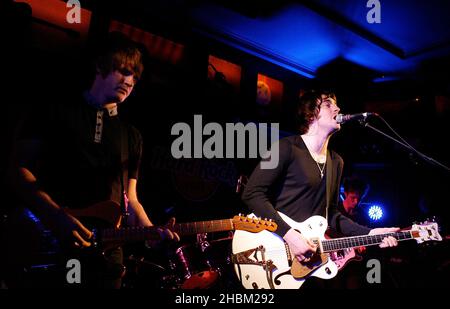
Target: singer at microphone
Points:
(341, 118)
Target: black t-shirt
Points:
(296, 189)
(75, 169)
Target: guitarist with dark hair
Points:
(79, 153)
(355, 189)
(306, 181)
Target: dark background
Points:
(43, 60)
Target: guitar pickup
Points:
(318, 243)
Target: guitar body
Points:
(271, 265)
(30, 243)
(263, 260)
(342, 257)
(104, 214)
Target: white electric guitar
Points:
(263, 260)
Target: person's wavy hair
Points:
(308, 108)
(119, 53)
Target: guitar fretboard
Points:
(133, 233)
(138, 233)
(365, 240)
(204, 227)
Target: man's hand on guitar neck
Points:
(387, 241)
(301, 247)
(71, 231)
(166, 233)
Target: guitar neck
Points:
(132, 233)
(139, 233)
(204, 227)
(364, 240)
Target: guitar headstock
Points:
(426, 231)
(254, 225)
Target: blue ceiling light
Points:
(375, 212)
(305, 38)
(385, 79)
(294, 37)
(411, 26)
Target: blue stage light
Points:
(375, 212)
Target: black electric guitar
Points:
(35, 244)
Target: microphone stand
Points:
(423, 156)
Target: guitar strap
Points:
(124, 157)
(329, 179)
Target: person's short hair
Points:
(308, 109)
(355, 184)
(117, 53)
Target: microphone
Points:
(341, 118)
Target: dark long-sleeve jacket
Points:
(296, 189)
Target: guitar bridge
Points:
(244, 258)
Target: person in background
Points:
(80, 153)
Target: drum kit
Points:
(201, 264)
